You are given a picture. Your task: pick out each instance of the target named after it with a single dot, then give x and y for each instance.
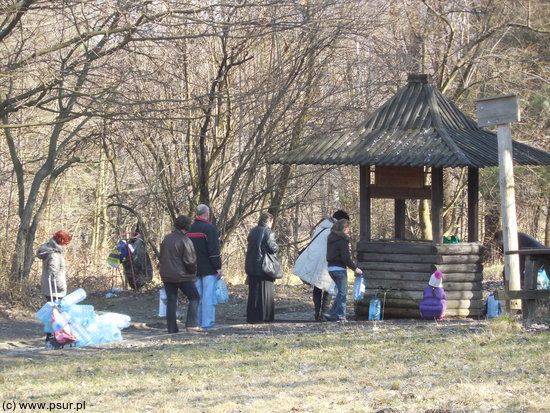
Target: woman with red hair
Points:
(54, 282)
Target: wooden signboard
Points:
(399, 182)
(497, 110)
(399, 176)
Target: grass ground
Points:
(358, 367)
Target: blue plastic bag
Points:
(543, 283)
(222, 294)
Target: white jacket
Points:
(311, 265)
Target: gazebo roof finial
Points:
(419, 78)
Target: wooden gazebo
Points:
(418, 129)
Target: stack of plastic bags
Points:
(88, 327)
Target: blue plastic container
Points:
(45, 316)
(493, 307)
(116, 319)
(73, 298)
(374, 309)
(45, 313)
(359, 288)
(83, 337)
(222, 293)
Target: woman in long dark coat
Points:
(261, 298)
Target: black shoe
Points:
(53, 344)
(330, 317)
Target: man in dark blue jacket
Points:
(209, 264)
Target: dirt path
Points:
(21, 332)
(19, 329)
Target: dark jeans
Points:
(190, 291)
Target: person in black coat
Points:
(261, 298)
(524, 241)
(209, 265)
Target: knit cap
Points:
(436, 280)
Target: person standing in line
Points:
(178, 268)
(311, 265)
(53, 283)
(338, 258)
(261, 296)
(209, 264)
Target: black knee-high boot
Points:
(325, 303)
(317, 298)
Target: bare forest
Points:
(115, 112)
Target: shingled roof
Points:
(418, 126)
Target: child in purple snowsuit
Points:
(434, 303)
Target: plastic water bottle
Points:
(45, 316)
(333, 289)
(109, 333)
(493, 307)
(61, 320)
(82, 310)
(222, 294)
(81, 314)
(95, 333)
(73, 298)
(162, 302)
(84, 338)
(116, 319)
(374, 309)
(359, 288)
(45, 313)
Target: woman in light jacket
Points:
(311, 265)
(54, 274)
(53, 265)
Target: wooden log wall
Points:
(402, 269)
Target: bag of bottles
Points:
(493, 307)
(543, 283)
(222, 294)
(163, 299)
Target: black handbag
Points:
(271, 267)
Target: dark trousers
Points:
(321, 301)
(261, 301)
(189, 289)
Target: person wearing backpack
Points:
(434, 303)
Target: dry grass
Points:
(358, 367)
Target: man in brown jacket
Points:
(178, 270)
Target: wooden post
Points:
(473, 204)
(437, 205)
(399, 219)
(500, 111)
(364, 203)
